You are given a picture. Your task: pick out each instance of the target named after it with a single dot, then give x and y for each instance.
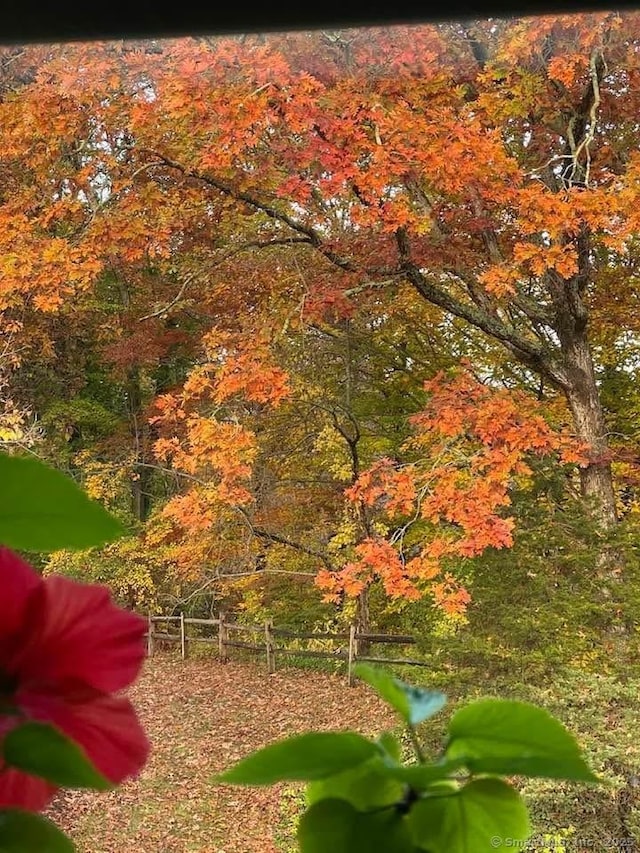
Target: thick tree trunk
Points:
(596, 478)
(584, 401)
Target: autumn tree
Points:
(345, 402)
(233, 192)
(485, 164)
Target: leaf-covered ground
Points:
(201, 717)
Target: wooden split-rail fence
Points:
(265, 637)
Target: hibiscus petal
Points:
(20, 790)
(18, 581)
(107, 728)
(80, 637)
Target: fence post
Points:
(268, 640)
(183, 638)
(149, 635)
(352, 649)
(222, 638)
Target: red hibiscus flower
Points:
(64, 649)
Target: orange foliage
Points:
(246, 370)
(472, 442)
(233, 185)
(199, 445)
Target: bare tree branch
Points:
(529, 352)
(166, 308)
(313, 238)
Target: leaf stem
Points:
(415, 743)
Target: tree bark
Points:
(583, 397)
(596, 479)
(140, 502)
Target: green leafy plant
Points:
(361, 797)
(24, 832)
(41, 510)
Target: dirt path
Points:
(201, 717)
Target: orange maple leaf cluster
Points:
(199, 434)
(472, 442)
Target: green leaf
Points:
(42, 510)
(306, 757)
(505, 736)
(483, 816)
(366, 786)
(42, 750)
(334, 826)
(24, 832)
(421, 776)
(414, 704)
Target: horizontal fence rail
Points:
(262, 639)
